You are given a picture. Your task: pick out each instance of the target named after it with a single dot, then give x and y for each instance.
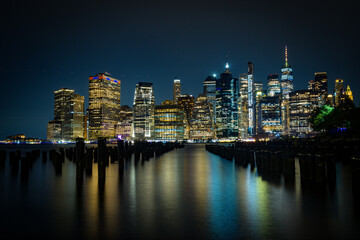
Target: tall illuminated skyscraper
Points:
(287, 86)
(169, 121)
(104, 105)
(320, 86)
(210, 94)
(68, 123)
(339, 91)
(243, 106)
(73, 124)
(201, 126)
(302, 104)
(176, 90)
(274, 86)
(144, 110)
(186, 103)
(251, 99)
(227, 94)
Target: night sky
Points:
(46, 45)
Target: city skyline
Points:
(50, 51)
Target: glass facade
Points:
(201, 126)
(186, 103)
(243, 106)
(144, 109)
(270, 108)
(287, 86)
(227, 94)
(302, 104)
(176, 90)
(169, 121)
(273, 83)
(104, 105)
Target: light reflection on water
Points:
(185, 193)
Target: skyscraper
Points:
(243, 106)
(210, 94)
(227, 94)
(125, 125)
(68, 123)
(251, 99)
(273, 83)
(144, 110)
(186, 103)
(339, 92)
(169, 121)
(73, 124)
(287, 86)
(104, 105)
(302, 104)
(176, 90)
(320, 86)
(270, 108)
(201, 126)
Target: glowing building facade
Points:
(125, 125)
(169, 121)
(201, 126)
(320, 86)
(210, 94)
(270, 108)
(273, 83)
(68, 123)
(339, 92)
(73, 124)
(176, 90)
(144, 110)
(104, 105)
(243, 106)
(287, 86)
(302, 104)
(186, 103)
(251, 99)
(227, 94)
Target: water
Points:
(185, 194)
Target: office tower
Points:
(125, 125)
(201, 126)
(273, 83)
(186, 103)
(287, 86)
(227, 93)
(270, 108)
(54, 130)
(259, 95)
(176, 90)
(210, 94)
(169, 121)
(251, 99)
(68, 123)
(320, 86)
(73, 124)
(243, 106)
(339, 92)
(144, 107)
(302, 104)
(61, 98)
(104, 105)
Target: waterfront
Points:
(186, 193)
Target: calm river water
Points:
(185, 194)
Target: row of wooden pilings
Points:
(84, 157)
(317, 159)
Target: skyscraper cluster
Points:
(228, 108)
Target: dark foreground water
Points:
(185, 194)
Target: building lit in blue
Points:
(227, 94)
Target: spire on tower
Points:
(286, 57)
